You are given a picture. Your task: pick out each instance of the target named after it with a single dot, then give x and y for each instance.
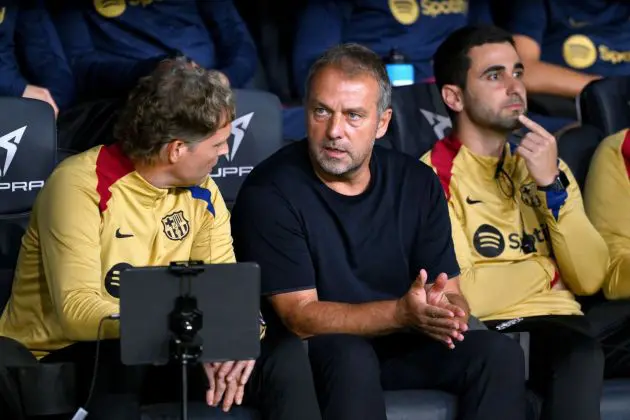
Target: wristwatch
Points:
(560, 184)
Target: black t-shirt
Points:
(351, 248)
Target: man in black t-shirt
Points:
(347, 235)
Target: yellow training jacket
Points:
(94, 217)
(607, 202)
(499, 279)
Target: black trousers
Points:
(486, 371)
(12, 354)
(281, 385)
(610, 321)
(566, 365)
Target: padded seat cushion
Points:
(197, 411)
(615, 403)
(6, 279)
(412, 405)
(408, 405)
(401, 405)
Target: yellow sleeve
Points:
(68, 222)
(579, 250)
(213, 242)
(491, 288)
(607, 202)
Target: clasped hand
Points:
(227, 382)
(426, 307)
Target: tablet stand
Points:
(185, 321)
(186, 313)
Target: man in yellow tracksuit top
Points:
(607, 203)
(146, 200)
(97, 215)
(523, 242)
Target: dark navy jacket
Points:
(110, 44)
(30, 53)
(592, 36)
(415, 28)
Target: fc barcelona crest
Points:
(176, 227)
(528, 195)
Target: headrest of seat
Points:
(419, 119)
(28, 145)
(576, 147)
(605, 104)
(256, 134)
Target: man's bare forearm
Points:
(542, 77)
(365, 319)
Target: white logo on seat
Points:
(239, 127)
(439, 122)
(9, 142)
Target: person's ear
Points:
(453, 97)
(175, 150)
(383, 123)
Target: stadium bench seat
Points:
(401, 405)
(605, 104)
(576, 147)
(256, 134)
(419, 119)
(28, 146)
(27, 157)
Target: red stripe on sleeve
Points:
(111, 165)
(625, 151)
(442, 157)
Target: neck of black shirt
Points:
(350, 184)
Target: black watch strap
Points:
(558, 185)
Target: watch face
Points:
(559, 184)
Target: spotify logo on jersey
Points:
(488, 241)
(112, 279)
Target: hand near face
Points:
(540, 151)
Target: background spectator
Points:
(111, 44)
(566, 44)
(414, 28)
(32, 61)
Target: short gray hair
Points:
(354, 59)
(178, 100)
